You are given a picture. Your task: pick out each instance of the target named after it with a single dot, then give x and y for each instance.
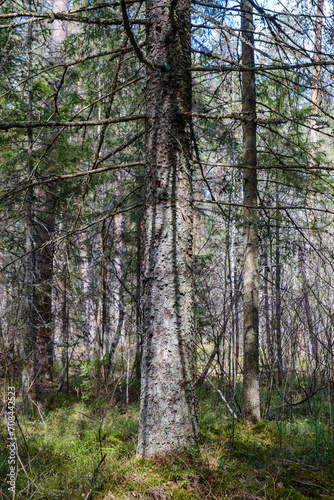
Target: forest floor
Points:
(75, 447)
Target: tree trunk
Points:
(250, 391)
(64, 324)
(269, 339)
(119, 280)
(306, 263)
(29, 341)
(43, 230)
(87, 296)
(168, 410)
(278, 301)
(315, 91)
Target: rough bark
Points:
(250, 391)
(29, 341)
(43, 231)
(168, 416)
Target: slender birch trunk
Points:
(250, 392)
(168, 415)
(86, 288)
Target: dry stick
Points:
(132, 39)
(75, 11)
(77, 114)
(239, 116)
(120, 148)
(265, 167)
(322, 258)
(223, 398)
(101, 5)
(77, 231)
(261, 207)
(66, 17)
(65, 65)
(24, 439)
(201, 166)
(239, 67)
(83, 123)
(204, 4)
(261, 121)
(314, 335)
(291, 89)
(293, 120)
(104, 127)
(17, 454)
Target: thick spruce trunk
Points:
(44, 229)
(168, 417)
(29, 340)
(250, 390)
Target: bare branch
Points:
(82, 123)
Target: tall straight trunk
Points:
(58, 32)
(250, 390)
(315, 91)
(278, 301)
(138, 295)
(306, 264)
(29, 341)
(119, 280)
(102, 316)
(308, 311)
(86, 288)
(64, 325)
(168, 410)
(269, 339)
(44, 228)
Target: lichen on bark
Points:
(168, 417)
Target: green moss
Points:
(82, 446)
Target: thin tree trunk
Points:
(269, 339)
(120, 271)
(64, 327)
(29, 363)
(250, 390)
(102, 317)
(168, 410)
(86, 287)
(139, 329)
(308, 312)
(278, 301)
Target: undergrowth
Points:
(84, 448)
